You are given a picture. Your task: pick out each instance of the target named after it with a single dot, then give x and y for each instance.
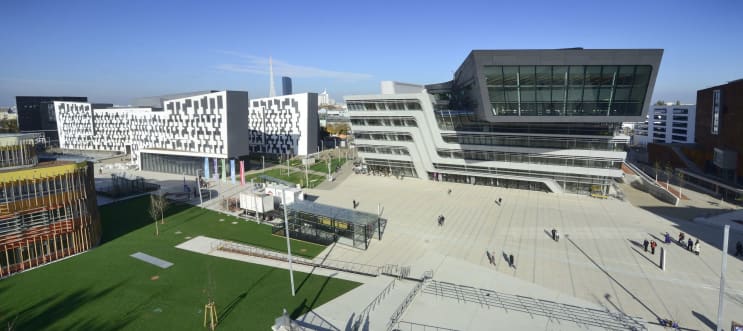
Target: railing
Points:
(404, 305)
(353, 267)
(411, 326)
(552, 310)
(373, 304)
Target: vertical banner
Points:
(232, 170)
(242, 172)
(216, 169)
(206, 168)
(224, 171)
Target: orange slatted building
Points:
(48, 210)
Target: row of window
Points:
(384, 105)
(536, 142)
(573, 178)
(388, 136)
(530, 158)
(392, 150)
(567, 109)
(401, 121)
(593, 75)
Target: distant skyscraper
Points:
(271, 89)
(286, 85)
(323, 98)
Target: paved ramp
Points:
(152, 260)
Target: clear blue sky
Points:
(112, 51)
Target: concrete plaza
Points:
(598, 262)
(599, 259)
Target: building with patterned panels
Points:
(175, 138)
(48, 210)
(286, 125)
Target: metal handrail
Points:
(533, 306)
(373, 304)
(404, 305)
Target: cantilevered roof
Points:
(340, 214)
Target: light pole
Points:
(288, 242)
(306, 176)
(263, 162)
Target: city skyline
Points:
(117, 52)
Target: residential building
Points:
(286, 125)
(48, 210)
(533, 119)
(667, 124)
(185, 136)
(286, 85)
(719, 138)
(324, 98)
(36, 114)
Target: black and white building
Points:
(545, 120)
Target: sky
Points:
(114, 51)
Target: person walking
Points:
(689, 245)
(681, 238)
(557, 236)
(553, 233)
(645, 244)
(696, 247)
(500, 200)
(448, 192)
(354, 204)
(652, 246)
(510, 261)
(738, 248)
(667, 238)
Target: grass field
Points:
(322, 166)
(296, 176)
(106, 289)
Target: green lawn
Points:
(322, 166)
(106, 289)
(296, 176)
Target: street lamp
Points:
(288, 242)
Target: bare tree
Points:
(681, 180)
(669, 172)
(154, 212)
(657, 169)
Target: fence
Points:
(404, 305)
(358, 268)
(554, 311)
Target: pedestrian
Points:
(448, 192)
(681, 238)
(667, 238)
(652, 246)
(443, 219)
(553, 233)
(689, 245)
(354, 204)
(493, 255)
(510, 261)
(645, 244)
(500, 201)
(738, 248)
(490, 257)
(557, 235)
(696, 247)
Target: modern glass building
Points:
(532, 119)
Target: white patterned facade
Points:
(286, 125)
(207, 125)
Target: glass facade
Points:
(601, 90)
(534, 141)
(558, 160)
(384, 105)
(173, 164)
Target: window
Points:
(715, 112)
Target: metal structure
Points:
(48, 211)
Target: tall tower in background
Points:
(286, 85)
(271, 89)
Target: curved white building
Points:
(534, 119)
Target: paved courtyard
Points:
(599, 258)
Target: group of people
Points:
(556, 235)
(652, 244)
(509, 258)
(690, 244)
